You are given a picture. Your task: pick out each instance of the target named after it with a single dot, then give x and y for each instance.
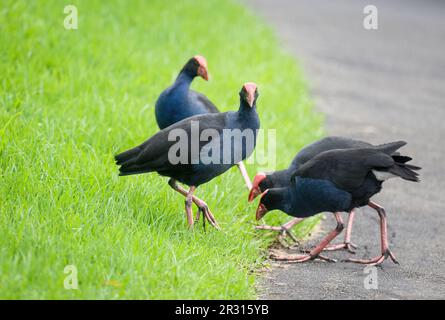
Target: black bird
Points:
(201, 153)
(340, 180)
(279, 179)
(179, 102)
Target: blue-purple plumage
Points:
(178, 101)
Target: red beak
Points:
(256, 191)
(250, 98)
(250, 89)
(202, 69)
(202, 72)
(261, 210)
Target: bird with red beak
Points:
(154, 155)
(179, 102)
(249, 93)
(339, 180)
(256, 189)
(202, 67)
(280, 178)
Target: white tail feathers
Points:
(383, 175)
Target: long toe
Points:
(351, 248)
(366, 261)
(296, 258)
(283, 233)
(272, 228)
(377, 260)
(291, 235)
(392, 256)
(299, 258)
(198, 215)
(324, 258)
(209, 216)
(342, 246)
(206, 213)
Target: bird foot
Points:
(349, 246)
(377, 260)
(283, 232)
(206, 215)
(299, 258)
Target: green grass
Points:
(70, 100)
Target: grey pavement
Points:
(380, 86)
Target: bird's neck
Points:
(297, 202)
(283, 176)
(276, 179)
(183, 80)
(282, 200)
(245, 111)
(312, 196)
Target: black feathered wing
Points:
(325, 144)
(203, 101)
(348, 168)
(153, 154)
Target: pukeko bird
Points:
(179, 102)
(339, 180)
(207, 136)
(279, 179)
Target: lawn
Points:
(71, 99)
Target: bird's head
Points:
(259, 184)
(275, 199)
(249, 93)
(197, 66)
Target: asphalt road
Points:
(380, 86)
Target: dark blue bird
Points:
(339, 180)
(179, 102)
(194, 151)
(278, 179)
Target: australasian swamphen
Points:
(179, 102)
(204, 134)
(279, 179)
(335, 181)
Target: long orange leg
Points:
(245, 175)
(203, 207)
(383, 240)
(188, 206)
(284, 229)
(315, 252)
(347, 244)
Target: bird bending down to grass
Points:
(179, 102)
(335, 181)
(208, 145)
(280, 179)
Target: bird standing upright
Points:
(339, 180)
(179, 102)
(209, 149)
